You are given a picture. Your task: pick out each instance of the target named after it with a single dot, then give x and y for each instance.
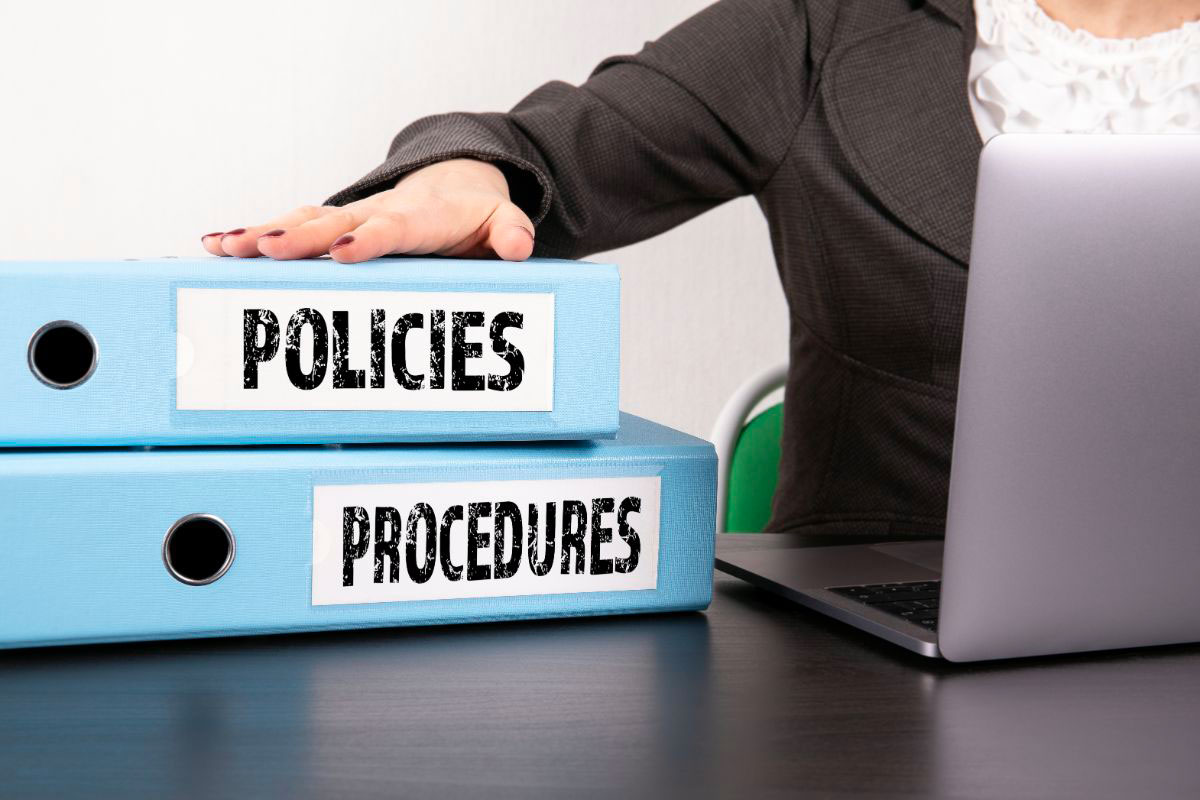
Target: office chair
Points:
(748, 453)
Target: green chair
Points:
(748, 454)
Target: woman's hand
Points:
(452, 208)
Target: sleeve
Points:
(702, 115)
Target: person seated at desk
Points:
(857, 125)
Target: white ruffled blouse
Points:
(1030, 73)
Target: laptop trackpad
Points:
(926, 554)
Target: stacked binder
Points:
(219, 447)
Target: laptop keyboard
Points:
(916, 602)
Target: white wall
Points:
(129, 129)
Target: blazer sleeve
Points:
(702, 115)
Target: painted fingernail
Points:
(341, 241)
(234, 232)
(274, 233)
(210, 235)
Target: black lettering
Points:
(421, 512)
(253, 353)
(600, 535)
(476, 540)
(541, 567)
(505, 349)
(353, 517)
(378, 347)
(343, 376)
(628, 534)
(437, 349)
(451, 570)
(574, 523)
(461, 350)
(311, 379)
(507, 526)
(386, 517)
(406, 379)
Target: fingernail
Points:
(210, 235)
(276, 232)
(528, 232)
(341, 241)
(234, 232)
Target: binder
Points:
(235, 351)
(108, 545)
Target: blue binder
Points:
(221, 351)
(115, 545)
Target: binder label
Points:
(381, 543)
(339, 350)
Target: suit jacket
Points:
(848, 120)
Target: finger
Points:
(243, 242)
(313, 238)
(212, 243)
(384, 233)
(510, 233)
(234, 243)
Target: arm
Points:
(702, 115)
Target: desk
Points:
(754, 697)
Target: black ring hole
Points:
(198, 550)
(62, 354)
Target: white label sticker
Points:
(305, 350)
(380, 543)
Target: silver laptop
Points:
(1074, 511)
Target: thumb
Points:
(510, 233)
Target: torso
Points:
(870, 217)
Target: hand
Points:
(453, 208)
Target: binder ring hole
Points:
(198, 549)
(62, 354)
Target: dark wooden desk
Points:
(751, 698)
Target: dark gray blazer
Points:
(848, 120)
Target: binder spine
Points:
(226, 352)
(167, 544)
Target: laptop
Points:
(1074, 507)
